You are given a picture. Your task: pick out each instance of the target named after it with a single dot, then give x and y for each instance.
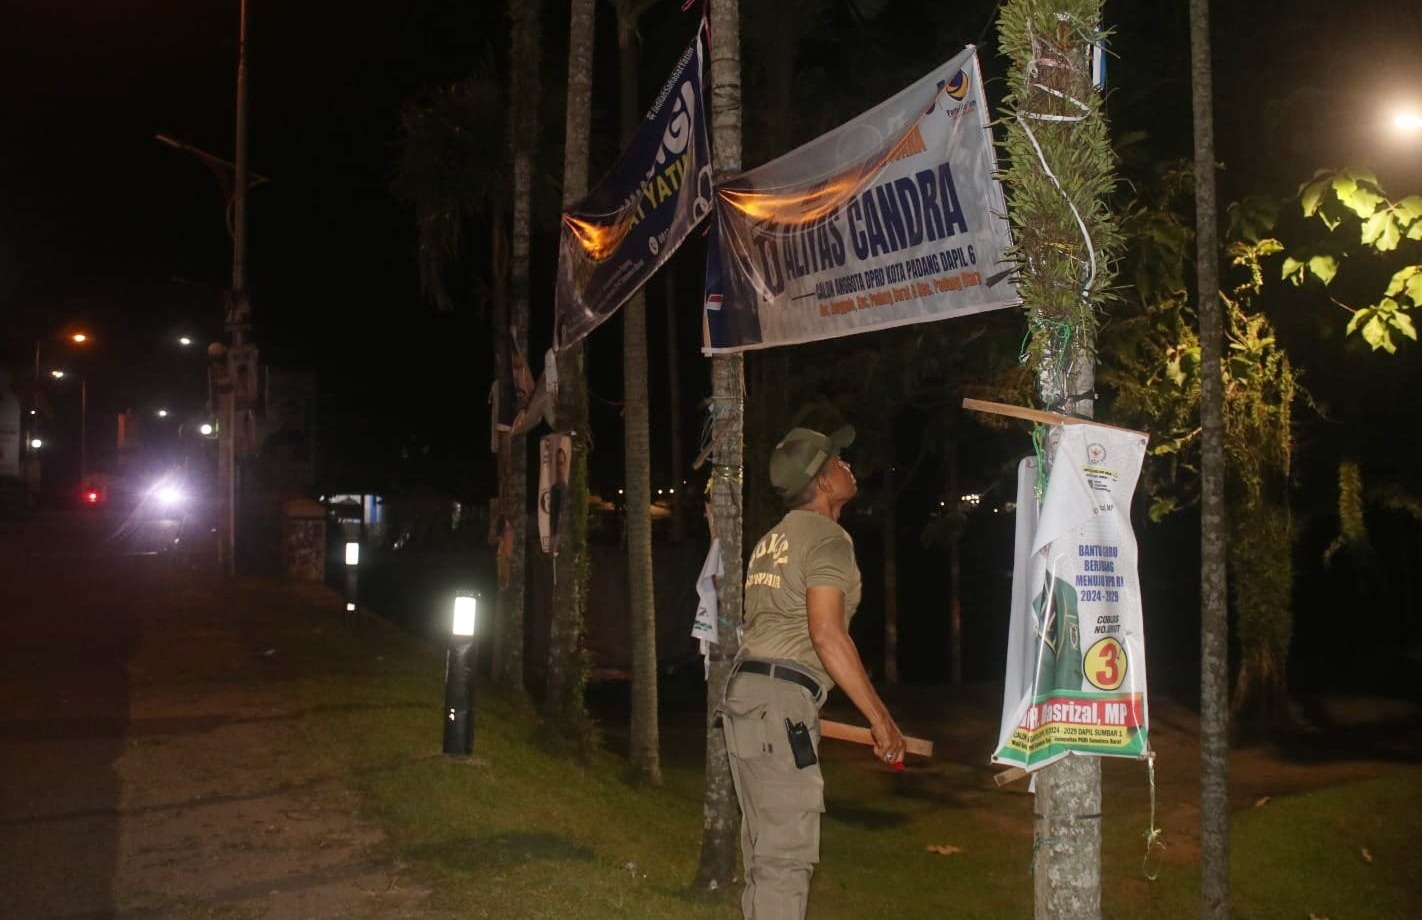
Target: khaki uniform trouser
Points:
(780, 803)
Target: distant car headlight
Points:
(168, 495)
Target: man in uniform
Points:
(802, 588)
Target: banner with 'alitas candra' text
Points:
(657, 192)
(1076, 664)
(893, 218)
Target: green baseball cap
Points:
(800, 456)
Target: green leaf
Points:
(1161, 508)
(1361, 200)
(1403, 324)
(1311, 194)
(1409, 208)
(1375, 334)
(1401, 280)
(1323, 268)
(1268, 247)
(1414, 287)
(1414, 232)
(1292, 270)
(1359, 316)
(1374, 229)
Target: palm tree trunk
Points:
(955, 573)
(644, 747)
(1214, 616)
(1055, 122)
(680, 502)
(720, 812)
(524, 134)
(564, 707)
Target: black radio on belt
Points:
(801, 744)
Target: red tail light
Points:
(92, 496)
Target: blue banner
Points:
(659, 190)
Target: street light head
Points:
(352, 554)
(464, 609)
(78, 338)
(36, 443)
(162, 413)
(1408, 122)
(207, 429)
(57, 374)
(185, 340)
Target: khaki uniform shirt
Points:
(805, 550)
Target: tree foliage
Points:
(1350, 202)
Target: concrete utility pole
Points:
(235, 386)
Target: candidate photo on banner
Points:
(616, 238)
(893, 218)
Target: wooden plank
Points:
(1010, 775)
(843, 731)
(1038, 415)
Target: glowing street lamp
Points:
(1408, 122)
(185, 340)
(57, 374)
(459, 676)
(36, 443)
(79, 338)
(162, 413)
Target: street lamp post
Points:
(233, 368)
(83, 431)
(32, 473)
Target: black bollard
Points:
(459, 679)
(352, 584)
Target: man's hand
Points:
(888, 741)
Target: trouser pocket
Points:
(789, 813)
(747, 729)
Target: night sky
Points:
(100, 224)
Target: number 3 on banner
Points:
(1105, 664)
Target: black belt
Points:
(778, 672)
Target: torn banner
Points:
(1076, 666)
(893, 218)
(657, 192)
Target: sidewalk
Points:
(165, 770)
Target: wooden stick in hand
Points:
(843, 731)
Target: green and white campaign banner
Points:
(1076, 666)
(895, 217)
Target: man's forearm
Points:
(841, 659)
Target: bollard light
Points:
(459, 677)
(352, 569)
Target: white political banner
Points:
(893, 218)
(705, 627)
(1076, 665)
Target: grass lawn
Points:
(513, 832)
